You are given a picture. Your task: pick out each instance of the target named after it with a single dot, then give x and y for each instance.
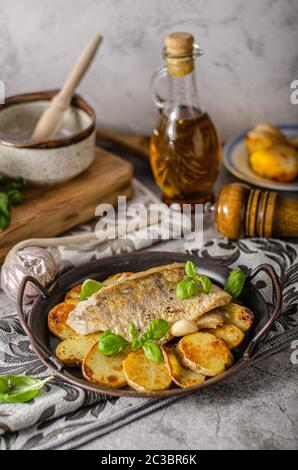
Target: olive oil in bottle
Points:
(185, 151)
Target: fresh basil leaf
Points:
(152, 351)
(206, 283)
(4, 204)
(134, 335)
(133, 331)
(106, 333)
(110, 344)
(4, 221)
(186, 288)
(156, 329)
(235, 282)
(15, 184)
(4, 210)
(136, 344)
(14, 196)
(190, 269)
(19, 389)
(9, 195)
(89, 287)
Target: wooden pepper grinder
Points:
(241, 210)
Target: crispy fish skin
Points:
(140, 298)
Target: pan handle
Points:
(276, 300)
(21, 316)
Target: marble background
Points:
(244, 77)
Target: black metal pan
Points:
(44, 343)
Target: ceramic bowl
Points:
(49, 162)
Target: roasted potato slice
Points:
(73, 295)
(104, 370)
(73, 349)
(266, 127)
(211, 319)
(238, 315)
(180, 375)
(57, 320)
(264, 136)
(145, 375)
(230, 334)
(279, 163)
(115, 278)
(204, 353)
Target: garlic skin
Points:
(30, 261)
(183, 327)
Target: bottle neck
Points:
(183, 99)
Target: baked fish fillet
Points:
(140, 298)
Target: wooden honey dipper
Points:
(241, 210)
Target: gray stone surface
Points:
(251, 58)
(250, 55)
(257, 409)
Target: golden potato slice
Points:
(204, 353)
(180, 375)
(230, 334)
(145, 375)
(73, 349)
(57, 320)
(259, 140)
(273, 131)
(104, 370)
(238, 315)
(73, 295)
(264, 136)
(211, 319)
(279, 163)
(115, 278)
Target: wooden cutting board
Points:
(50, 211)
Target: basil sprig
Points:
(20, 389)
(89, 287)
(110, 344)
(10, 195)
(152, 351)
(188, 287)
(156, 330)
(235, 282)
(134, 336)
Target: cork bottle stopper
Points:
(179, 44)
(179, 53)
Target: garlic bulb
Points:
(30, 261)
(31, 258)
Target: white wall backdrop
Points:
(251, 55)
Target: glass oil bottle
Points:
(185, 151)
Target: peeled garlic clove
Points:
(183, 327)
